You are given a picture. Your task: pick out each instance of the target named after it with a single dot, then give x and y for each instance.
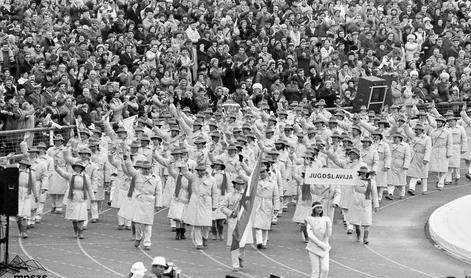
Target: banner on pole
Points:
(330, 176)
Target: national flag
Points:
(245, 207)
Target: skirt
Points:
(76, 210)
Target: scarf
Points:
(368, 191)
(30, 181)
(132, 186)
(223, 184)
(71, 188)
(178, 186)
(306, 192)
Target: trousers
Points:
(199, 233)
(57, 201)
(402, 191)
(144, 233)
(261, 236)
(236, 255)
(319, 265)
(413, 183)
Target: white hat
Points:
(414, 72)
(159, 261)
(138, 267)
(257, 86)
(138, 274)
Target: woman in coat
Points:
(319, 230)
(384, 161)
(460, 146)
(466, 123)
(421, 147)
(76, 196)
(354, 162)
(57, 184)
(400, 160)
(442, 142)
(120, 189)
(224, 186)
(26, 195)
(201, 205)
(365, 199)
(147, 189)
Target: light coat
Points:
(460, 146)
(360, 213)
(442, 143)
(421, 148)
(57, 184)
(266, 201)
(202, 200)
(465, 122)
(400, 160)
(147, 195)
(384, 162)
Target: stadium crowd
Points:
(81, 59)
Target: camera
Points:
(172, 271)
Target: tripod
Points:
(17, 263)
(5, 266)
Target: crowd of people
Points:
(174, 102)
(80, 59)
(198, 166)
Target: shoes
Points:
(401, 197)
(174, 229)
(199, 247)
(468, 176)
(182, 233)
(419, 182)
(411, 192)
(259, 246)
(235, 269)
(84, 227)
(137, 242)
(285, 209)
(120, 227)
(80, 234)
(205, 242)
(147, 248)
(24, 235)
(349, 231)
(127, 227)
(30, 226)
(37, 221)
(389, 197)
(94, 220)
(365, 242)
(178, 234)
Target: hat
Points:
(41, 145)
(219, 162)
(335, 134)
(121, 130)
(367, 139)
(402, 118)
(288, 126)
(58, 137)
(26, 162)
(311, 130)
(197, 123)
(138, 267)
(257, 86)
(200, 140)
(159, 261)
(321, 103)
(232, 147)
(215, 134)
(174, 128)
(93, 143)
(239, 180)
(332, 120)
(201, 167)
(348, 139)
(80, 164)
(135, 144)
(355, 151)
(319, 121)
(363, 170)
(144, 137)
(33, 150)
(356, 127)
(145, 164)
(283, 112)
(155, 136)
(84, 131)
(377, 132)
(85, 150)
(273, 152)
(440, 119)
(397, 134)
(419, 126)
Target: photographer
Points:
(160, 269)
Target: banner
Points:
(330, 176)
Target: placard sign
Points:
(330, 176)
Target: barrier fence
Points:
(10, 140)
